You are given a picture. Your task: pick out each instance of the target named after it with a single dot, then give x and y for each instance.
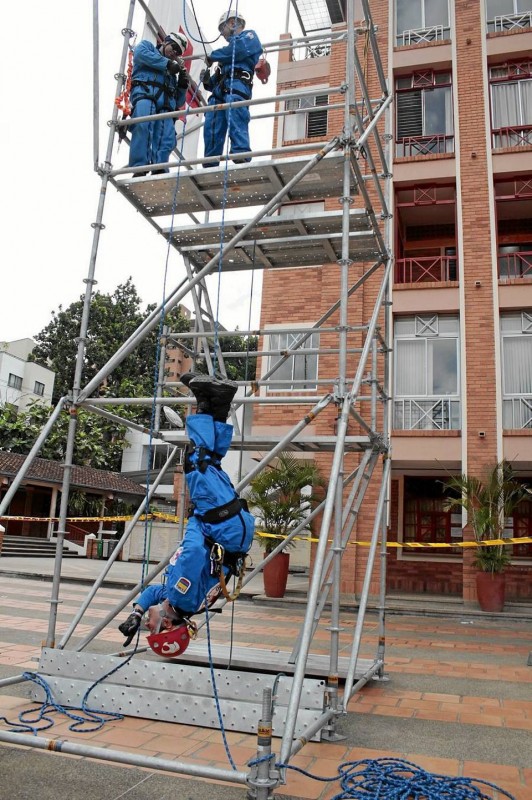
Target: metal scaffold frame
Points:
(360, 233)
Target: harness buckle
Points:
(217, 558)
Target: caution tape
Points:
(126, 518)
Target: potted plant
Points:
(488, 502)
(275, 497)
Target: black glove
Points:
(209, 61)
(173, 67)
(182, 80)
(130, 626)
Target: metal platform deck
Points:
(252, 184)
(283, 240)
(302, 444)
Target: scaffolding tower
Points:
(351, 166)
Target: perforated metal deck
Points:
(252, 184)
(279, 241)
(174, 691)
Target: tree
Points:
(113, 318)
(241, 368)
(99, 443)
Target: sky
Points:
(50, 189)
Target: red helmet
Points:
(172, 642)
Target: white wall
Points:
(13, 361)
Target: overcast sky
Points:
(50, 191)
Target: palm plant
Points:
(275, 498)
(488, 502)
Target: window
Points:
(38, 388)
(511, 104)
(515, 261)
(305, 125)
(424, 111)
(298, 371)
(426, 393)
(516, 334)
(503, 15)
(422, 21)
(424, 519)
(14, 381)
(159, 456)
(522, 526)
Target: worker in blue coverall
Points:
(230, 82)
(218, 516)
(158, 83)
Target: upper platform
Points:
(190, 191)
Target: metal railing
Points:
(419, 35)
(517, 412)
(515, 136)
(515, 265)
(425, 145)
(506, 22)
(427, 414)
(422, 270)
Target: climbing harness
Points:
(237, 568)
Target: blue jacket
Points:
(149, 66)
(247, 50)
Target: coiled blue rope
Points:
(398, 779)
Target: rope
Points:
(215, 689)
(190, 36)
(397, 779)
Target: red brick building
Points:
(460, 151)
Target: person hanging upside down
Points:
(219, 530)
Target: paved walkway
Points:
(458, 700)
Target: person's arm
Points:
(146, 55)
(246, 46)
(151, 596)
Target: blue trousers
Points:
(234, 121)
(151, 142)
(188, 576)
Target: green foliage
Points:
(275, 498)
(113, 318)
(241, 368)
(488, 502)
(99, 443)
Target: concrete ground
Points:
(458, 700)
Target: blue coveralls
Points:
(188, 576)
(230, 89)
(152, 142)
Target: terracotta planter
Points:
(490, 590)
(275, 575)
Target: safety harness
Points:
(220, 558)
(165, 88)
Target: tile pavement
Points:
(458, 700)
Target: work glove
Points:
(182, 80)
(130, 626)
(173, 67)
(208, 61)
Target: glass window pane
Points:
(438, 111)
(517, 364)
(408, 15)
(410, 369)
(497, 7)
(505, 97)
(436, 13)
(444, 359)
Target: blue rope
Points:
(397, 779)
(215, 690)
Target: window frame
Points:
(423, 27)
(491, 25)
(423, 81)
(312, 342)
(14, 381)
(39, 391)
(517, 73)
(509, 398)
(324, 96)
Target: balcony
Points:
(435, 33)
(426, 414)
(516, 136)
(434, 269)
(424, 145)
(508, 22)
(517, 413)
(515, 265)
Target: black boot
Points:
(219, 393)
(202, 396)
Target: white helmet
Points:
(227, 15)
(179, 40)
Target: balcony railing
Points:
(515, 265)
(517, 412)
(506, 22)
(425, 145)
(304, 52)
(434, 269)
(512, 137)
(418, 35)
(427, 414)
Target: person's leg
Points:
(164, 141)
(141, 135)
(239, 130)
(214, 131)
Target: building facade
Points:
(21, 381)
(460, 149)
